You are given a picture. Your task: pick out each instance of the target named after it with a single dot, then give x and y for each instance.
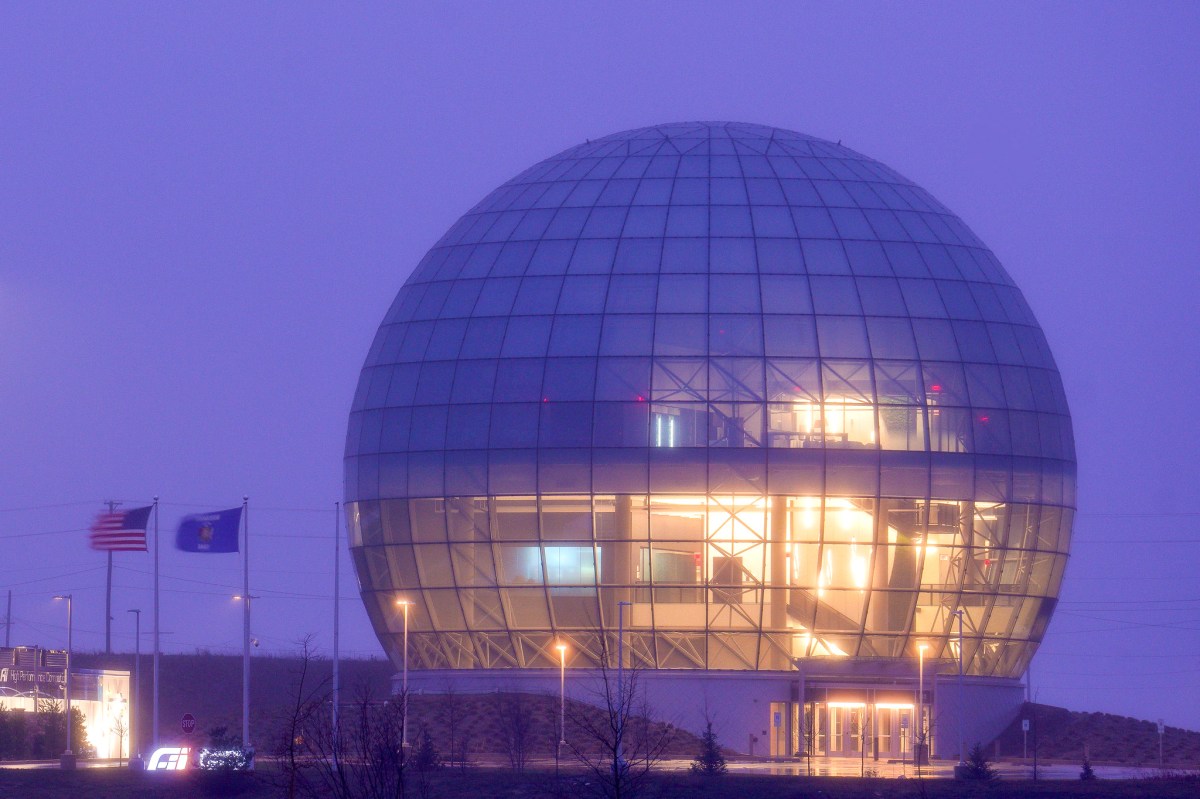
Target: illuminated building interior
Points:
(732, 581)
(32, 679)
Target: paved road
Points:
(820, 767)
(939, 769)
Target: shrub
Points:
(426, 756)
(709, 762)
(978, 767)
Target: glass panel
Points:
(733, 294)
(735, 335)
(682, 294)
(825, 257)
(789, 335)
(677, 334)
(786, 294)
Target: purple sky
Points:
(206, 209)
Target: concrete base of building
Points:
(826, 707)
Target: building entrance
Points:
(847, 723)
(893, 723)
(880, 730)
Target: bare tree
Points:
(365, 760)
(516, 726)
(307, 704)
(120, 729)
(453, 712)
(617, 743)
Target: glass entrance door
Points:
(893, 727)
(780, 737)
(846, 728)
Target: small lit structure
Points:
(31, 676)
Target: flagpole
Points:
(112, 508)
(337, 545)
(156, 547)
(246, 625)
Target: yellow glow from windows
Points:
(858, 566)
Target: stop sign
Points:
(188, 724)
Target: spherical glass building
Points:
(757, 393)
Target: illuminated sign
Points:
(8, 675)
(226, 759)
(26, 669)
(168, 758)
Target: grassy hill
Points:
(1063, 734)
(209, 686)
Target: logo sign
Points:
(169, 758)
(1024, 725)
(188, 724)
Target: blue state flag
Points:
(210, 532)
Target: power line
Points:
(1082, 541)
(1094, 655)
(50, 507)
(57, 576)
(1175, 626)
(1146, 515)
(46, 532)
(1129, 673)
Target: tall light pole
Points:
(136, 705)
(245, 599)
(921, 705)
(562, 702)
(962, 759)
(405, 604)
(619, 765)
(337, 680)
(68, 757)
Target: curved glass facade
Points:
(758, 386)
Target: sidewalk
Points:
(937, 769)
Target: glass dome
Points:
(761, 388)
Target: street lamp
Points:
(405, 604)
(67, 760)
(619, 765)
(962, 760)
(921, 745)
(136, 703)
(562, 701)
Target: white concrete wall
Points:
(739, 703)
(989, 706)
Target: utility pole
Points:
(8, 622)
(112, 508)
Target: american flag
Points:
(123, 531)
